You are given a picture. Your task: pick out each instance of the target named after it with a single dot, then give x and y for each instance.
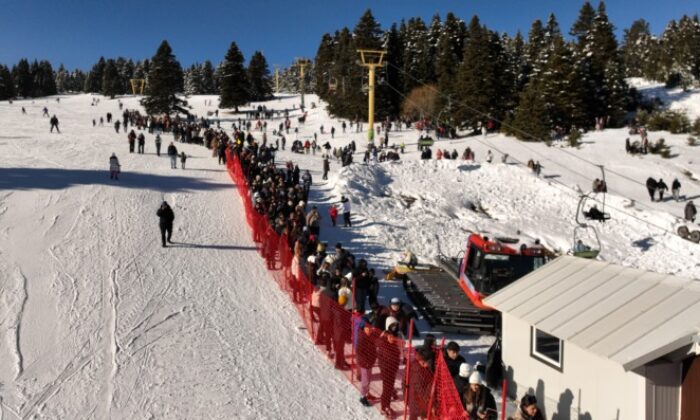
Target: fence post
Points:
(407, 376)
(435, 375)
(504, 390)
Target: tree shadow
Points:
(59, 178)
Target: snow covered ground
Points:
(98, 321)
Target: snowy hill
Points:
(99, 321)
(675, 99)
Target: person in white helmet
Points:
(478, 400)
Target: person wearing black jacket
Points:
(651, 187)
(166, 216)
(453, 359)
(661, 187)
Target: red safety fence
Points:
(384, 366)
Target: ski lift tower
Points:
(277, 79)
(371, 59)
(302, 63)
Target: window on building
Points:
(547, 348)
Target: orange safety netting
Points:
(384, 367)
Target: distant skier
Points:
(172, 152)
(114, 167)
(166, 216)
(489, 156)
(54, 123)
(46, 112)
(117, 124)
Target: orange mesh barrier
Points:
(392, 375)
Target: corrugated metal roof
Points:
(627, 315)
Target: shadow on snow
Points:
(56, 179)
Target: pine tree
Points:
(61, 79)
(531, 121)
(481, 85)
(208, 83)
(259, 77)
(417, 65)
(584, 24)
(235, 87)
(111, 83)
(194, 84)
(7, 87)
(23, 78)
(367, 32)
(324, 62)
(636, 48)
(93, 83)
(164, 81)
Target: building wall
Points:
(588, 387)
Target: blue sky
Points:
(78, 32)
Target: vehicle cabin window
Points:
(547, 348)
(474, 260)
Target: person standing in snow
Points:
(661, 187)
(326, 166)
(651, 187)
(117, 124)
(158, 143)
(478, 400)
(345, 208)
(676, 189)
(166, 216)
(142, 143)
(690, 211)
(489, 156)
(183, 159)
(172, 153)
(389, 360)
(54, 123)
(114, 167)
(132, 141)
(313, 221)
(333, 213)
(306, 184)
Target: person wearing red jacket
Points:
(333, 213)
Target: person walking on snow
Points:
(158, 143)
(132, 141)
(142, 143)
(345, 207)
(661, 187)
(54, 123)
(166, 216)
(114, 167)
(690, 212)
(172, 152)
(676, 189)
(183, 159)
(326, 166)
(651, 187)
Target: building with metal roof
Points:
(602, 340)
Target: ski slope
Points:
(98, 321)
